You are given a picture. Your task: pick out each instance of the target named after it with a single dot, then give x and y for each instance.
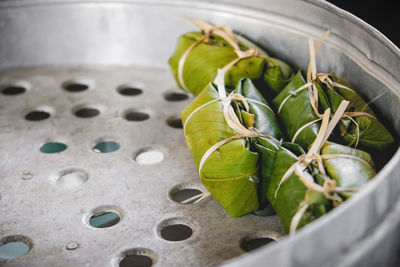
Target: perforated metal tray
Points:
(48, 46)
(44, 201)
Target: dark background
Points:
(380, 14)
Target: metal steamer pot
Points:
(109, 45)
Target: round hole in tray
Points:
(175, 96)
(104, 218)
(138, 257)
(129, 91)
(149, 156)
(37, 115)
(136, 260)
(12, 247)
(175, 229)
(252, 243)
(71, 178)
(53, 147)
(86, 112)
(13, 90)
(175, 122)
(106, 147)
(176, 232)
(134, 115)
(180, 195)
(75, 87)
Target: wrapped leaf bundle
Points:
(302, 187)
(221, 145)
(234, 139)
(299, 105)
(359, 126)
(276, 160)
(200, 54)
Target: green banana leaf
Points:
(373, 135)
(230, 173)
(264, 119)
(203, 61)
(277, 158)
(348, 172)
(297, 112)
(277, 74)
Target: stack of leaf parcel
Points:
(261, 134)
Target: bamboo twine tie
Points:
(222, 31)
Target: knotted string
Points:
(222, 31)
(313, 153)
(328, 188)
(231, 119)
(314, 77)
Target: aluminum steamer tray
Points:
(93, 159)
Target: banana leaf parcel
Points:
(358, 127)
(230, 172)
(296, 113)
(199, 55)
(302, 187)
